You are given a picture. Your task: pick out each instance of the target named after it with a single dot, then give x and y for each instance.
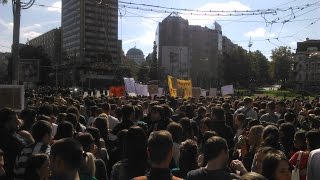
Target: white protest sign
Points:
(98, 94)
(142, 90)
(225, 90)
(203, 92)
(213, 92)
(130, 85)
(196, 92)
(85, 94)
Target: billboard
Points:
(12, 96)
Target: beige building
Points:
(305, 74)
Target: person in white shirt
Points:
(247, 109)
(313, 165)
(112, 121)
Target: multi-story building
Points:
(206, 55)
(90, 37)
(172, 38)
(51, 43)
(305, 74)
(191, 52)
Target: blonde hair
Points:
(88, 164)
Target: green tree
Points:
(154, 70)
(144, 70)
(259, 66)
(281, 63)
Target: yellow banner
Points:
(186, 86)
(173, 91)
(179, 87)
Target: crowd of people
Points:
(60, 136)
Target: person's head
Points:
(1, 158)
(64, 130)
(275, 166)
(255, 136)
(176, 132)
(105, 108)
(136, 151)
(188, 155)
(270, 136)
(95, 133)
(128, 113)
(239, 121)
(271, 107)
(157, 113)
(252, 176)
(216, 151)
(187, 130)
(202, 111)
(41, 132)
(65, 156)
(300, 140)
(29, 117)
(289, 117)
(101, 123)
(37, 167)
(87, 142)
(248, 102)
(45, 109)
(259, 157)
(8, 119)
(217, 114)
(72, 118)
(313, 140)
(286, 133)
(160, 148)
(74, 110)
(205, 125)
(280, 107)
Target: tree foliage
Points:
(281, 63)
(154, 69)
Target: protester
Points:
(276, 167)
(271, 115)
(176, 132)
(247, 109)
(37, 167)
(65, 130)
(2, 171)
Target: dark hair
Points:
(70, 151)
(213, 148)
(252, 176)
(105, 107)
(202, 110)
(64, 130)
(74, 110)
(5, 116)
(159, 109)
(126, 112)
(29, 118)
(136, 151)
(271, 163)
(61, 117)
(40, 129)
(218, 113)
(167, 111)
(247, 100)
(72, 118)
(176, 131)
(301, 137)
(159, 145)
(45, 109)
(289, 117)
(187, 130)
(270, 137)
(95, 134)
(313, 138)
(271, 105)
(101, 123)
(34, 163)
(86, 140)
(188, 156)
(1, 152)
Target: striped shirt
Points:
(21, 160)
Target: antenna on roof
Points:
(250, 44)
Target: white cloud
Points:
(259, 32)
(209, 20)
(56, 7)
(8, 26)
(31, 34)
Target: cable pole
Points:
(16, 7)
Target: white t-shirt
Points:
(54, 129)
(313, 172)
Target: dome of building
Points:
(134, 52)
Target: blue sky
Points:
(138, 27)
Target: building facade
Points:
(172, 38)
(90, 38)
(191, 52)
(51, 43)
(305, 72)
